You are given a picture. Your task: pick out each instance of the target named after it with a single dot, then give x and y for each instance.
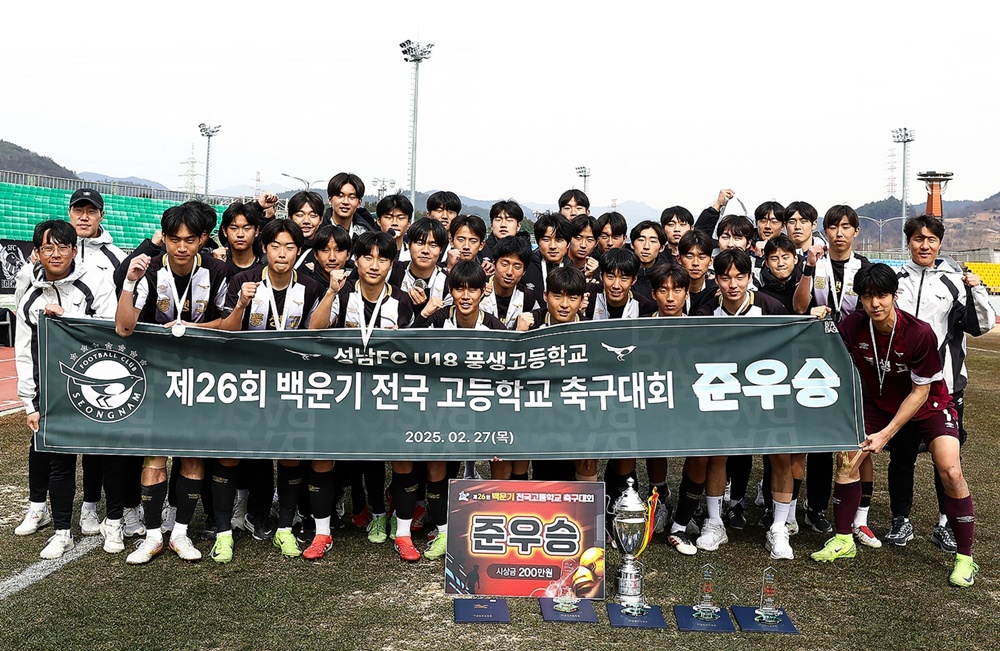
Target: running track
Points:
(8, 382)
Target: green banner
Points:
(602, 389)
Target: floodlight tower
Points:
(905, 136)
(414, 53)
(381, 185)
(584, 173)
(208, 132)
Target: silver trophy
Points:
(630, 530)
(706, 610)
(768, 613)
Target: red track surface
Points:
(8, 381)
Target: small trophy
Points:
(631, 527)
(768, 614)
(565, 600)
(706, 610)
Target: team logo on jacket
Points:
(105, 385)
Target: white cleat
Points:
(184, 548)
(777, 543)
(713, 534)
(90, 524)
(33, 521)
(114, 543)
(145, 551)
(58, 545)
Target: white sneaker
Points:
(866, 537)
(239, 514)
(792, 527)
(759, 500)
(33, 521)
(660, 518)
(145, 551)
(712, 535)
(90, 524)
(184, 548)
(777, 544)
(58, 545)
(132, 522)
(168, 517)
(113, 541)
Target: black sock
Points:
(738, 469)
(175, 473)
(321, 493)
(224, 488)
(615, 485)
(188, 492)
(521, 476)
(437, 501)
(374, 480)
(289, 483)
(766, 484)
(867, 488)
(687, 500)
(152, 504)
(404, 493)
(796, 485)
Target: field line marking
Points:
(35, 573)
(984, 350)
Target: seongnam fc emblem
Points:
(105, 385)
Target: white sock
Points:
(89, 506)
(780, 515)
(791, 511)
(942, 520)
(154, 535)
(288, 529)
(322, 526)
(221, 533)
(442, 529)
(63, 532)
(36, 506)
(674, 527)
(403, 527)
(243, 494)
(861, 516)
(113, 523)
(714, 505)
(179, 530)
(733, 503)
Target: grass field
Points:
(362, 597)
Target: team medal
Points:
(178, 329)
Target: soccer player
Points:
(275, 297)
(612, 229)
(331, 252)
(676, 221)
(799, 221)
(733, 271)
(767, 217)
(238, 233)
(954, 304)
(306, 209)
(468, 236)
(572, 203)
(905, 398)
(648, 240)
(552, 233)
(565, 288)
(424, 278)
(345, 192)
(510, 297)
(444, 206)
(582, 242)
(368, 304)
(60, 287)
(394, 212)
(505, 220)
(695, 248)
(613, 298)
(178, 288)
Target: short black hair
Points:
(390, 202)
(197, 216)
(515, 246)
(275, 226)
(805, 210)
(467, 274)
(930, 222)
(695, 239)
(680, 212)
(836, 214)
(509, 206)
(768, 207)
(876, 280)
(643, 225)
(338, 182)
(53, 231)
(341, 238)
(474, 223)
(581, 223)
(675, 273)
(234, 210)
(732, 258)
(444, 199)
(566, 280)
(304, 197)
(738, 226)
(619, 225)
(576, 195)
(623, 260)
(426, 228)
(780, 242)
(558, 223)
(369, 240)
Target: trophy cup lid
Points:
(630, 504)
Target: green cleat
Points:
(392, 527)
(437, 548)
(376, 529)
(840, 546)
(222, 550)
(285, 541)
(964, 574)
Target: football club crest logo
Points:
(105, 385)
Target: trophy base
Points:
(635, 610)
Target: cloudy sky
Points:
(664, 102)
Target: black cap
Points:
(87, 195)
